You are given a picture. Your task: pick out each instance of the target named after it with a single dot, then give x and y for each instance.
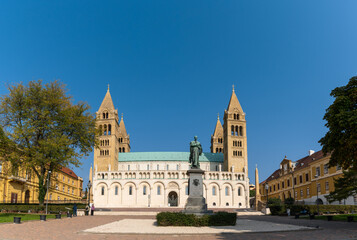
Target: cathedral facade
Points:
(122, 178)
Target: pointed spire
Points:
(218, 129)
(122, 128)
(234, 103)
(107, 102)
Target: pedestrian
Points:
(92, 209)
(75, 210)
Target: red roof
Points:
(69, 172)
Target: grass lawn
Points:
(9, 217)
(338, 217)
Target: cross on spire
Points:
(233, 87)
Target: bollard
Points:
(17, 220)
(43, 217)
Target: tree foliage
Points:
(341, 138)
(43, 130)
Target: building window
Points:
(239, 191)
(213, 191)
(177, 167)
(157, 167)
(307, 191)
(158, 190)
(227, 191)
(306, 177)
(301, 193)
(274, 187)
(130, 190)
(186, 190)
(294, 180)
(58, 198)
(102, 191)
(68, 189)
(50, 196)
(325, 169)
(295, 194)
(128, 167)
(56, 186)
(338, 167)
(0, 167)
(148, 167)
(167, 167)
(318, 187)
(63, 188)
(278, 186)
(288, 182)
(144, 190)
(318, 171)
(116, 190)
(300, 178)
(282, 185)
(327, 187)
(72, 191)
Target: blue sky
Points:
(171, 65)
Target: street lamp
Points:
(267, 190)
(48, 180)
(89, 185)
(317, 194)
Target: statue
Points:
(195, 152)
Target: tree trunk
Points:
(41, 191)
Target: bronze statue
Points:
(195, 152)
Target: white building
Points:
(159, 179)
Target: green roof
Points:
(167, 156)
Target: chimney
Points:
(311, 152)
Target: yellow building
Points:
(21, 186)
(308, 180)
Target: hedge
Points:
(35, 208)
(182, 219)
(297, 209)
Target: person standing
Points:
(92, 209)
(75, 210)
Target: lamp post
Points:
(267, 190)
(89, 185)
(317, 194)
(48, 180)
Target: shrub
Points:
(182, 219)
(35, 208)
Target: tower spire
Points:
(107, 103)
(234, 103)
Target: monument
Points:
(196, 203)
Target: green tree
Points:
(252, 193)
(44, 129)
(341, 139)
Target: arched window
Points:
(232, 130)
(130, 190)
(106, 115)
(227, 191)
(241, 131)
(116, 190)
(109, 129)
(148, 167)
(144, 190)
(220, 150)
(119, 149)
(239, 191)
(227, 204)
(214, 204)
(157, 167)
(103, 115)
(213, 191)
(236, 133)
(101, 129)
(102, 191)
(216, 150)
(123, 149)
(102, 175)
(158, 190)
(105, 130)
(237, 116)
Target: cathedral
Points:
(122, 178)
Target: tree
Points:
(341, 138)
(43, 130)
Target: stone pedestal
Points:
(196, 203)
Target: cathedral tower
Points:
(217, 138)
(123, 137)
(235, 137)
(107, 120)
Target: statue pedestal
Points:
(196, 203)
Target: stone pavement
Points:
(72, 228)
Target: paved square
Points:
(148, 226)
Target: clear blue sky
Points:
(171, 65)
